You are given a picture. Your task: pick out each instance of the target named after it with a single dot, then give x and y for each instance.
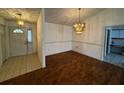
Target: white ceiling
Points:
(28, 14)
(68, 16)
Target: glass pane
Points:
(29, 36)
(18, 31)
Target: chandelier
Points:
(20, 22)
(79, 27)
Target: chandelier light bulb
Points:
(20, 22)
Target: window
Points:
(29, 36)
(18, 31)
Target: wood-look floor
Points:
(72, 68)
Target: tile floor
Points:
(16, 66)
(115, 59)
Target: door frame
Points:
(107, 40)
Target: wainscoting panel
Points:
(58, 38)
(88, 49)
(57, 47)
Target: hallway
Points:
(16, 66)
(20, 41)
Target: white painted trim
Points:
(0, 52)
(43, 41)
(7, 42)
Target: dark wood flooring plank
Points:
(71, 68)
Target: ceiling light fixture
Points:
(79, 27)
(20, 22)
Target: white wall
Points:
(40, 38)
(34, 32)
(0, 48)
(39, 41)
(58, 38)
(91, 41)
(2, 43)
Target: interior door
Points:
(18, 45)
